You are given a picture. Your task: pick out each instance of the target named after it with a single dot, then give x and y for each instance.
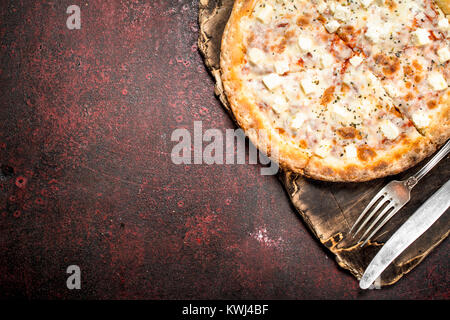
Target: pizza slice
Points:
(374, 26)
(405, 43)
(362, 134)
(417, 79)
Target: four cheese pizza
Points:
(342, 90)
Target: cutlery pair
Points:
(389, 201)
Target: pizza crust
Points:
(440, 132)
(401, 158)
(444, 5)
(244, 109)
(286, 152)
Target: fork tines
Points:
(382, 201)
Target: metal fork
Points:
(393, 197)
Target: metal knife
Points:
(412, 229)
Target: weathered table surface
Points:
(86, 177)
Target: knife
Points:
(412, 229)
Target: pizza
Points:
(342, 90)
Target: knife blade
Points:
(412, 229)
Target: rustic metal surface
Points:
(86, 178)
(330, 209)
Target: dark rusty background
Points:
(86, 178)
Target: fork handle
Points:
(414, 179)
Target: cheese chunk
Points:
(272, 81)
(263, 12)
(305, 43)
(350, 151)
(341, 114)
(256, 56)
(332, 26)
(298, 120)
(326, 60)
(421, 37)
(421, 119)
(341, 13)
(436, 81)
(282, 66)
(444, 54)
(391, 90)
(277, 101)
(389, 130)
(378, 30)
(309, 86)
(356, 61)
(372, 33)
(323, 149)
(321, 6)
(443, 24)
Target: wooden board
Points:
(330, 209)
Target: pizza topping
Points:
(341, 114)
(327, 96)
(263, 13)
(305, 43)
(365, 153)
(348, 133)
(366, 3)
(298, 121)
(279, 104)
(350, 151)
(326, 60)
(281, 66)
(341, 12)
(421, 119)
(323, 149)
(356, 60)
(256, 56)
(437, 81)
(332, 26)
(304, 20)
(389, 130)
(272, 81)
(391, 90)
(378, 30)
(421, 37)
(310, 86)
(443, 24)
(444, 54)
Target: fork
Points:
(393, 197)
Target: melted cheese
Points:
(366, 3)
